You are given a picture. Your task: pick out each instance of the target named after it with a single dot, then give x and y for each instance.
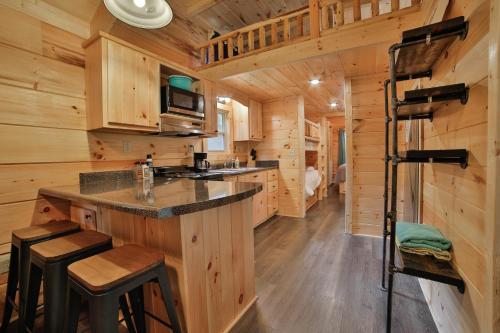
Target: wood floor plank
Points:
(311, 277)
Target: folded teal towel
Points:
(413, 235)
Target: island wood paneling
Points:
(283, 126)
(454, 199)
(43, 124)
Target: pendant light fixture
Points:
(146, 14)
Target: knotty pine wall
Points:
(283, 127)
(336, 123)
(365, 149)
(454, 199)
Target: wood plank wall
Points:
(454, 200)
(283, 127)
(367, 151)
(336, 123)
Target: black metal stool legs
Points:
(168, 299)
(12, 281)
(35, 278)
(103, 311)
(126, 314)
(73, 304)
(137, 302)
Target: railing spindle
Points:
(356, 9)
(220, 46)
(203, 55)
(262, 37)
(211, 53)
(339, 13)
(230, 47)
(375, 9)
(314, 18)
(286, 29)
(251, 41)
(239, 40)
(300, 25)
(325, 23)
(394, 5)
(274, 33)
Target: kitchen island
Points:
(203, 227)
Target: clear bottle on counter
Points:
(146, 171)
(138, 170)
(237, 163)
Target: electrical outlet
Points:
(191, 149)
(126, 147)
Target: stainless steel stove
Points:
(185, 172)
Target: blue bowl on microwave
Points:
(180, 81)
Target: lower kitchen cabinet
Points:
(265, 203)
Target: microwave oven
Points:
(182, 102)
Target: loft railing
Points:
(321, 17)
(258, 36)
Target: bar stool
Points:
(105, 277)
(50, 259)
(22, 239)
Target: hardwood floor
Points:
(313, 278)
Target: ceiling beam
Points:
(382, 29)
(102, 20)
(195, 7)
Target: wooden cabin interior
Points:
(206, 166)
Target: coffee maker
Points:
(200, 162)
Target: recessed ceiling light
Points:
(314, 82)
(333, 104)
(146, 14)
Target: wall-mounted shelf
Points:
(430, 268)
(426, 44)
(453, 156)
(423, 102)
(414, 57)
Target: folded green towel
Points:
(422, 240)
(413, 235)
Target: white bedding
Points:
(313, 180)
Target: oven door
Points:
(183, 102)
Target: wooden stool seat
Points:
(50, 260)
(43, 231)
(68, 246)
(108, 269)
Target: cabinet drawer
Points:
(86, 217)
(272, 203)
(230, 178)
(256, 177)
(272, 186)
(272, 175)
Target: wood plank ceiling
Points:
(331, 70)
(193, 19)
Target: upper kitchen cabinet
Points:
(123, 87)
(209, 93)
(247, 121)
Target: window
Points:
(219, 143)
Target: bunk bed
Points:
(414, 58)
(312, 176)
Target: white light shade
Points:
(314, 82)
(333, 104)
(146, 14)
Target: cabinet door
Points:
(210, 107)
(240, 122)
(255, 120)
(133, 88)
(260, 199)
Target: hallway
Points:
(312, 278)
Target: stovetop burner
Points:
(186, 172)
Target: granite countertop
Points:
(161, 199)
